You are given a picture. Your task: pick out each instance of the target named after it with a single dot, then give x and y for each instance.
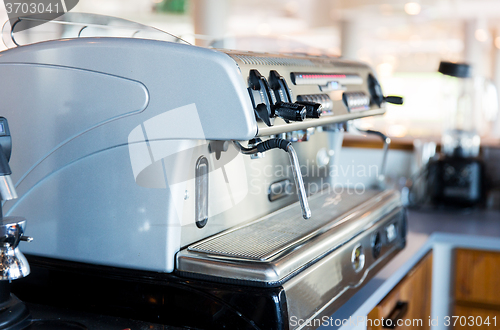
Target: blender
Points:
(456, 177)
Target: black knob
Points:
(313, 109)
(290, 111)
(375, 90)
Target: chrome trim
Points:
(13, 263)
(7, 188)
(201, 191)
(325, 286)
(280, 126)
(253, 252)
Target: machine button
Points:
(323, 99)
(376, 245)
(358, 258)
(391, 232)
(356, 101)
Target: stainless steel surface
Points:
(340, 116)
(7, 188)
(282, 243)
(253, 177)
(279, 189)
(299, 183)
(325, 286)
(297, 175)
(78, 25)
(113, 124)
(13, 264)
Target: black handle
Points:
(314, 110)
(398, 313)
(393, 99)
(257, 82)
(290, 111)
(278, 84)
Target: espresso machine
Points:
(188, 186)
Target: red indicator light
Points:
(321, 76)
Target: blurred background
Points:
(403, 40)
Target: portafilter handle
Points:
(13, 263)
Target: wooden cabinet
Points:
(413, 293)
(477, 288)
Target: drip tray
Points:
(272, 249)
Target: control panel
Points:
(295, 92)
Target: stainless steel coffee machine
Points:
(190, 186)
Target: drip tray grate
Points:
(261, 240)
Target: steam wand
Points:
(294, 162)
(387, 143)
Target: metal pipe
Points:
(387, 143)
(297, 175)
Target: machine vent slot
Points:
(260, 60)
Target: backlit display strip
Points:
(322, 79)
